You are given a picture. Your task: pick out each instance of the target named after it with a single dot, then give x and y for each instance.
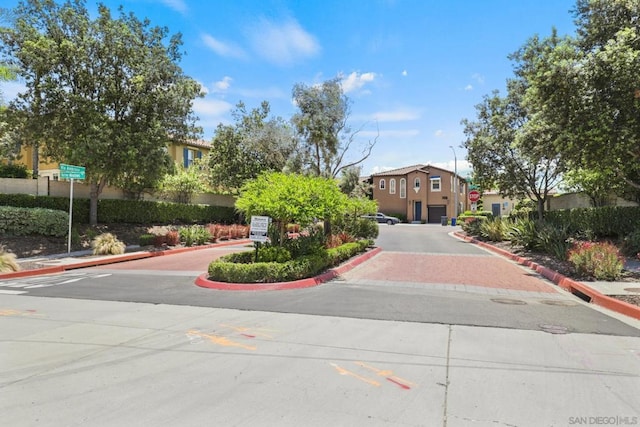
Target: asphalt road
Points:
(423, 275)
(430, 332)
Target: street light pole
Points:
(455, 180)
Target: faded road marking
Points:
(401, 382)
(343, 371)
(223, 341)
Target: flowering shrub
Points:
(599, 260)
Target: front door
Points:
(417, 211)
(495, 209)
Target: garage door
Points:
(435, 212)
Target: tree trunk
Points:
(540, 209)
(96, 189)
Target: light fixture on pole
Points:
(455, 180)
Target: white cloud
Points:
(439, 133)
(478, 77)
(223, 85)
(468, 87)
(177, 5)
(211, 107)
(404, 73)
(464, 167)
(396, 116)
(229, 50)
(377, 169)
(282, 44)
(355, 81)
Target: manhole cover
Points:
(563, 303)
(632, 290)
(554, 329)
(508, 301)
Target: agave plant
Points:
(107, 244)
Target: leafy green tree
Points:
(598, 185)
(589, 87)
(104, 93)
(505, 153)
(322, 125)
(184, 183)
(254, 144)
(290, 198)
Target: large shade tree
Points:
(589, 86)
(254, 144)
(326, 138)
(104, 93)
(506, 154)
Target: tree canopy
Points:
(290, 198)
(589, 87)
(104, 93)
(254, 144)
(322, 125)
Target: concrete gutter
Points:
(580, 289)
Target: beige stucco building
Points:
(422, 193)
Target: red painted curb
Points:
(117, 258)
(203, 282)
(569, 285)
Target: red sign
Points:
(474, 196)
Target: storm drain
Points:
(563, 303)
(554, 329)
(508, 301)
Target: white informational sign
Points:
(259, 228)
(474, 207)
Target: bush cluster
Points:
(14, 171)
(599, 260)
(25, 221)
(127, 211)
(557, 233)
(239, 268)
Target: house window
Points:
(435, 183)
(383, 184)
(392, 186)
(416, 183)
(403, 188)
(189, 156)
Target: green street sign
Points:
(71, 171)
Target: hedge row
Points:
(236, 268)
(606, 222)
(127, 211)
(27, 221)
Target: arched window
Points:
(383, 184)
(392, 186)
(403, 188)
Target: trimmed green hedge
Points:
(127, 211)
(603, 222)
(238, 268)
(27, 221)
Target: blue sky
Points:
(412, 68)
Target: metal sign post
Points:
(71, 172)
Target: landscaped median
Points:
(237, 272)
(576, 288)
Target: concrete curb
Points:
(576, 288)
(112, 259)
(203, 282)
